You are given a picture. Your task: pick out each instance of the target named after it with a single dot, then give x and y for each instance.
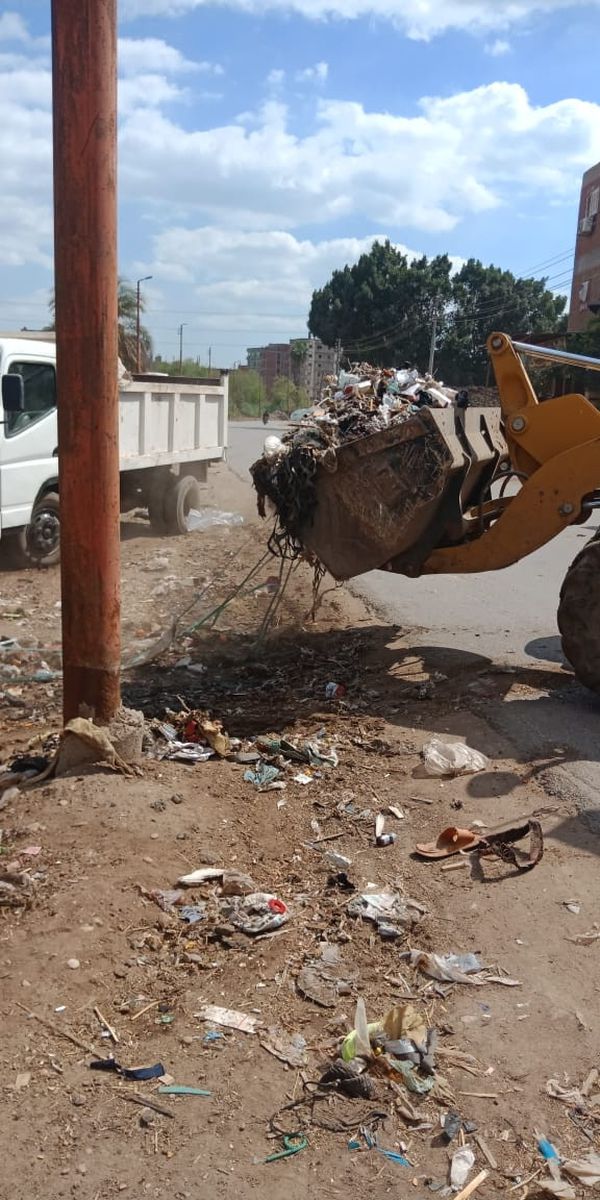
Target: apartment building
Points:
(585, 290)
(305, 361)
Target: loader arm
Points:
(555, 449)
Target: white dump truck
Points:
(170, 430)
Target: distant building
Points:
(253, 357)
(586, 271)
(310, 368)
(305, 361)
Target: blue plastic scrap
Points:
(140, 1073)
(548, 1150)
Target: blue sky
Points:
(263, 143)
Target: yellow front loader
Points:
(475, 489)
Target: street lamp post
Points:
(181, 329)
(138, 337)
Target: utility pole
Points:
(434, 329)
(84, 69)
(181, 329)
(138, 337)
(209, 357)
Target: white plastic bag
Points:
(207, 518)
(461, 1166)
(452, 758)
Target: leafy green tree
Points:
(381, 308)
(246, 394)
(189, 367)
(485, 299)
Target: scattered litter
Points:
(462, 1164)
(452, 1125)
(289, 1048)
(452, 758)
(192, 913)
(557, 1187)
(201, 519)
(23, 1080)
(74, 964)
(395, 812)
(586, 1169)
(293, 1143)
(202, 875)
(452, 968)
(337, 860)
(348, 1078)
(324, 979)
(586, 939)
(263, 776)
(233, 883)
(335, 691)
(572, 906)
(258, 913)
(303, 778)
(472, 1186)
(106, 1026)
(386, 909)
(228, 1017)
(547, 1150)
(139, 1073)
(180, 1089)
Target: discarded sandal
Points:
(500, 845)
(450, 841)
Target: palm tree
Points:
(127, 301)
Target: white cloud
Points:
(497, 48)
(317, 74)
(460, 155)
(275, 78)
(146, 91)
(154, 56)
(419, 19)
(13, 28)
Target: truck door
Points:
(28, 446)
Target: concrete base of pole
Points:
(125, 734)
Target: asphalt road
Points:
(507, 617)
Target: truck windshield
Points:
(40, 395)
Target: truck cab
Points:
(28, 438)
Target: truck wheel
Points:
(579, 615)
(39, 542)
(184, 495)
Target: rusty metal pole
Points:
(84, 56)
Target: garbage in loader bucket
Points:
(363, 475)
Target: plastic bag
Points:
(206, 518)
(448, 968)
(452, 758)
(461, 1166)
(586, 1170)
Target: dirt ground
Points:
(93, 846)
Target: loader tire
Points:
(579, 615)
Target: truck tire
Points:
(180, 498)
(579, 615)
(38, 544)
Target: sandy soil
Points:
(94, 845)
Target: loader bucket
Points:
(400, 493)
